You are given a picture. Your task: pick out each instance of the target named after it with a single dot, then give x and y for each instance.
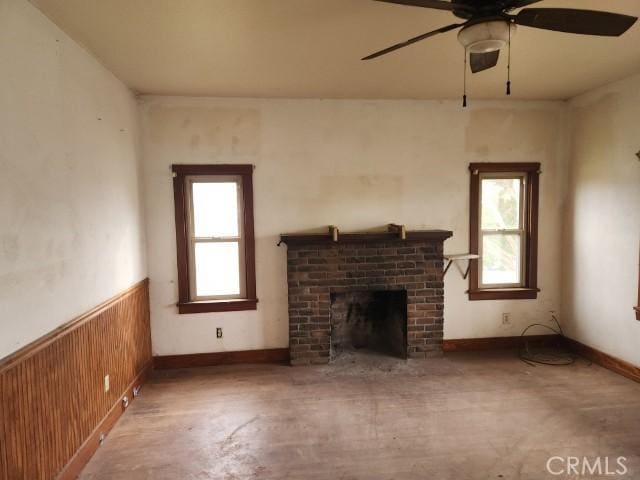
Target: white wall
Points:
(71, 232)
(355, 164)
(602, 221)
(71, 213)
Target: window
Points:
(504, 230)
(214, 237)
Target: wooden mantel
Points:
(365, 237)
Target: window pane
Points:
(501, 259)
(217, 269)
(215, 209)
(500, 203)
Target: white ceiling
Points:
(311, 48)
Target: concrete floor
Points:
(465, 416)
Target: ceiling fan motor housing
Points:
(484, 37)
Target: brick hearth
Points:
(317, 266)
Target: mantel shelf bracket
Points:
(456, 258)
(401, 230)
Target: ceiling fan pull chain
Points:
(464, 81)
(509, 62)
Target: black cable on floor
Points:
(546, 357)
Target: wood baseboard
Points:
(272, 355)
(605, 360)
(495, 343)
(73, 468)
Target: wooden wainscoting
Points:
(53, 406)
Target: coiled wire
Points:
(544, 356)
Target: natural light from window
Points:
(501, 231)
(215, 209)
(216, 239)
(217, 271)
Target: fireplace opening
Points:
(370, 320)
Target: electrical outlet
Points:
(506, 319)
(106, 383)
(219, 332)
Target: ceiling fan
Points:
(489, 25)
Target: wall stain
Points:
(212, 131)
(10, 247)
(511, 130)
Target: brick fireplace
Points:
(328, 274)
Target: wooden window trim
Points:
(530, 288)
(185, 304)
(637, 308)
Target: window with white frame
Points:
(215, 237)
(502, 244)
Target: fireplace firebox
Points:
(369, 320)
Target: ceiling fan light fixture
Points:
(484, 37)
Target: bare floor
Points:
(465, 416)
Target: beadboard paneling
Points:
(52, 391)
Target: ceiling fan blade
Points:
(569, 20)
(413, 40)
(437, 4)
(483, 61)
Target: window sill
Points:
(504, 294)
(218, 306)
